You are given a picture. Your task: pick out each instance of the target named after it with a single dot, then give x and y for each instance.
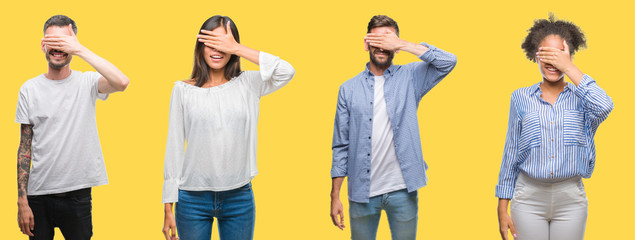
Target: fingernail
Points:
(515, 235)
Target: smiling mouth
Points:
(551, 68)
(216, 57)
(57, 53)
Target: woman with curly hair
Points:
(215, 113)
(549, 146)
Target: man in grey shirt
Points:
(60, 158)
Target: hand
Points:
(169, 224)
(337, 210)
(386, 41)
(221, 42)
(561, 59)
(25, 219)
(64, 43)
(504, 220)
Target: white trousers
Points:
(549, 211)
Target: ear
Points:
(365, 45)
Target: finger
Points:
(70, 26)
(228, 29)
(341, 220)
(566, 46)
(173, 230)
(513, 229)
(373, 38)
(27, 229)
(166, 234)
(549, 49)
(31, 223)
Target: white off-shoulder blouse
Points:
(218, 125)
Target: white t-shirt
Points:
(385, 172)
(65, 149)
(218, 125)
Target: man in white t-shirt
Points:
(376, 142)
(60, 158)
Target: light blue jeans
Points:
(401, 208)
(234, 209)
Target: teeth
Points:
(217, 57)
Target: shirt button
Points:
(552, 139)
(368, 137)
(551, 122)
(552, 156)
(551, 173)
(370, 119)
(369, 154)
(367, 171)
(371, 102)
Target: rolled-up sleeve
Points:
(435, 66)
(340, 137)
(597, 104)
(509, 166)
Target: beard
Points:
(58, 66)
(379, 63)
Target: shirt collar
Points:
(536, 88)
(390, 71)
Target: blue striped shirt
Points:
(404, 87)
(552, 142)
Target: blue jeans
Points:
(69, 211)
(401, 208)
(234, 209)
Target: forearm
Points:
(167, 208)
(248, 53)
(574, 73)
(336, 186)
(24, 161)
(503, 203)
(414, 48)
(115, 78)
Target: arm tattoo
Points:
(24, 158)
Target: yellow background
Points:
(463, 120)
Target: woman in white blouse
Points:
(216, 113)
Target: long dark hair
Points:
(200, 72)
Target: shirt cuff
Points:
(335, 173)
(506, 192)
(170, 191)
(267, 64)
(428, 56)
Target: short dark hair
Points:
(200, 71)
(382, 21)
(544, 27)
(60, 21)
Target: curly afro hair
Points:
(552, 26)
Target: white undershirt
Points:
(385, 173)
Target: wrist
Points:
(81, 51)
(335, 195)
(23, 202)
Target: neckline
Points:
(59, 81)
(210, 89)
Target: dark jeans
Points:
(69, 211)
